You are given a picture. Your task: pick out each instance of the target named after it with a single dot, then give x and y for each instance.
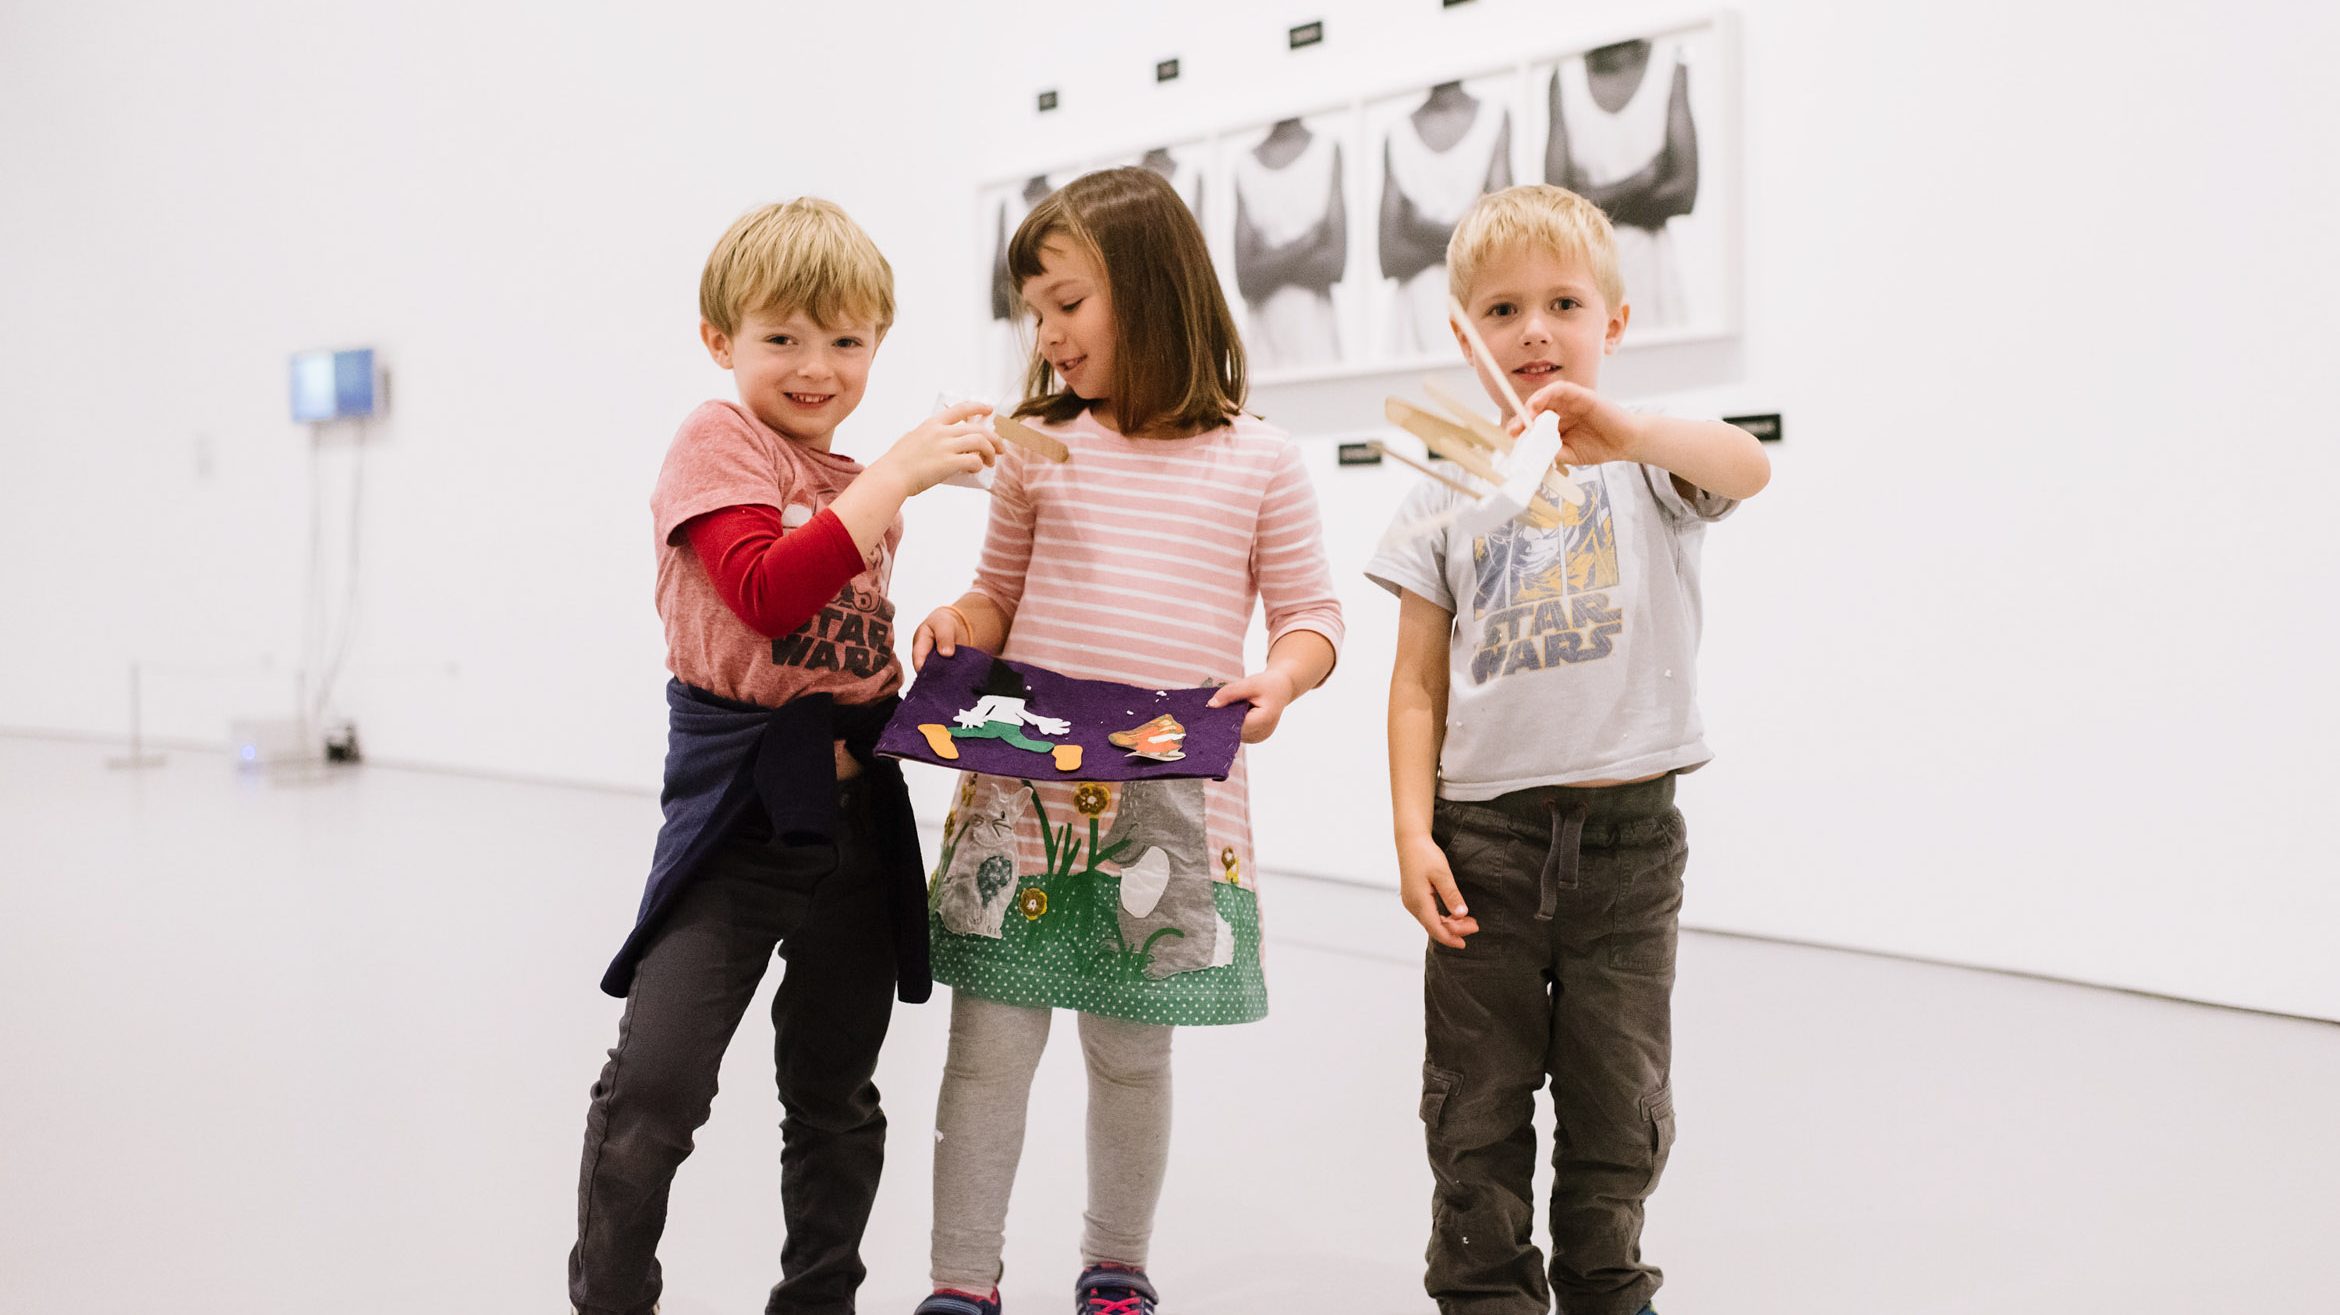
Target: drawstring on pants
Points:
(1560, 862)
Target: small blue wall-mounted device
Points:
(335, 386)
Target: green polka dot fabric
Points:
(1060, 948)
(1062, 941)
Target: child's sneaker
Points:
(951, 1301)
(1110, 1289)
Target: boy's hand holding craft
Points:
(1700, 454)
(1593, 429)
(953, 441)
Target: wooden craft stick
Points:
(1493, 433)
(1486, 358)
(1422, 423)
(1031, 440)
(1444, 438)
(1469, 458)
(1538, 514)
(1488, 428)
(1425, 467)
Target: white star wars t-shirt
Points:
(1574, 649)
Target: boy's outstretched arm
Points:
(1417, 731)
(1720, 458)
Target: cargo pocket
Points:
(1437, 1087)
(1658, 1109)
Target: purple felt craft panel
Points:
(1096, 710)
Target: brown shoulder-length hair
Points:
(1177, 363)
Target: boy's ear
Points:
(718, 343)
(1462, 340)
(1616, 332)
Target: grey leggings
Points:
(979, 1135)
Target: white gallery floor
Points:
(324, 1047)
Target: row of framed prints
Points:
(1329, 229)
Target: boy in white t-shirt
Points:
(1544, 697)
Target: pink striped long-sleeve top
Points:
(1140, 560)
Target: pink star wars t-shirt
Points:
(724, 457)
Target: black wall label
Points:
(1764, 427)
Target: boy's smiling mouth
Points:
(1536, 369)
(811, 399)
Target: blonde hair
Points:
(1535, 215)
(1178, 367)
(802, 255)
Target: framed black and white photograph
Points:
(1642, 128)
(1329, 228)
(1284, 247)
(1185, 165)
(1433, 153)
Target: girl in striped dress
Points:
(1137, 560)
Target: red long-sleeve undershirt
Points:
(773, 578)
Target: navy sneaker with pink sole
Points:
(1113, 1290)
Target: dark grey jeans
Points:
(1570, 978)
(824, 907)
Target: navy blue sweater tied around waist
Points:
(724, 757)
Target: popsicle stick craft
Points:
(1507, 478)
(986, 714)
(1017, 434)
(1047, 447)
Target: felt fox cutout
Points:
(1160, 739)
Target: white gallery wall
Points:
(2021, 662)
(512, 203)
